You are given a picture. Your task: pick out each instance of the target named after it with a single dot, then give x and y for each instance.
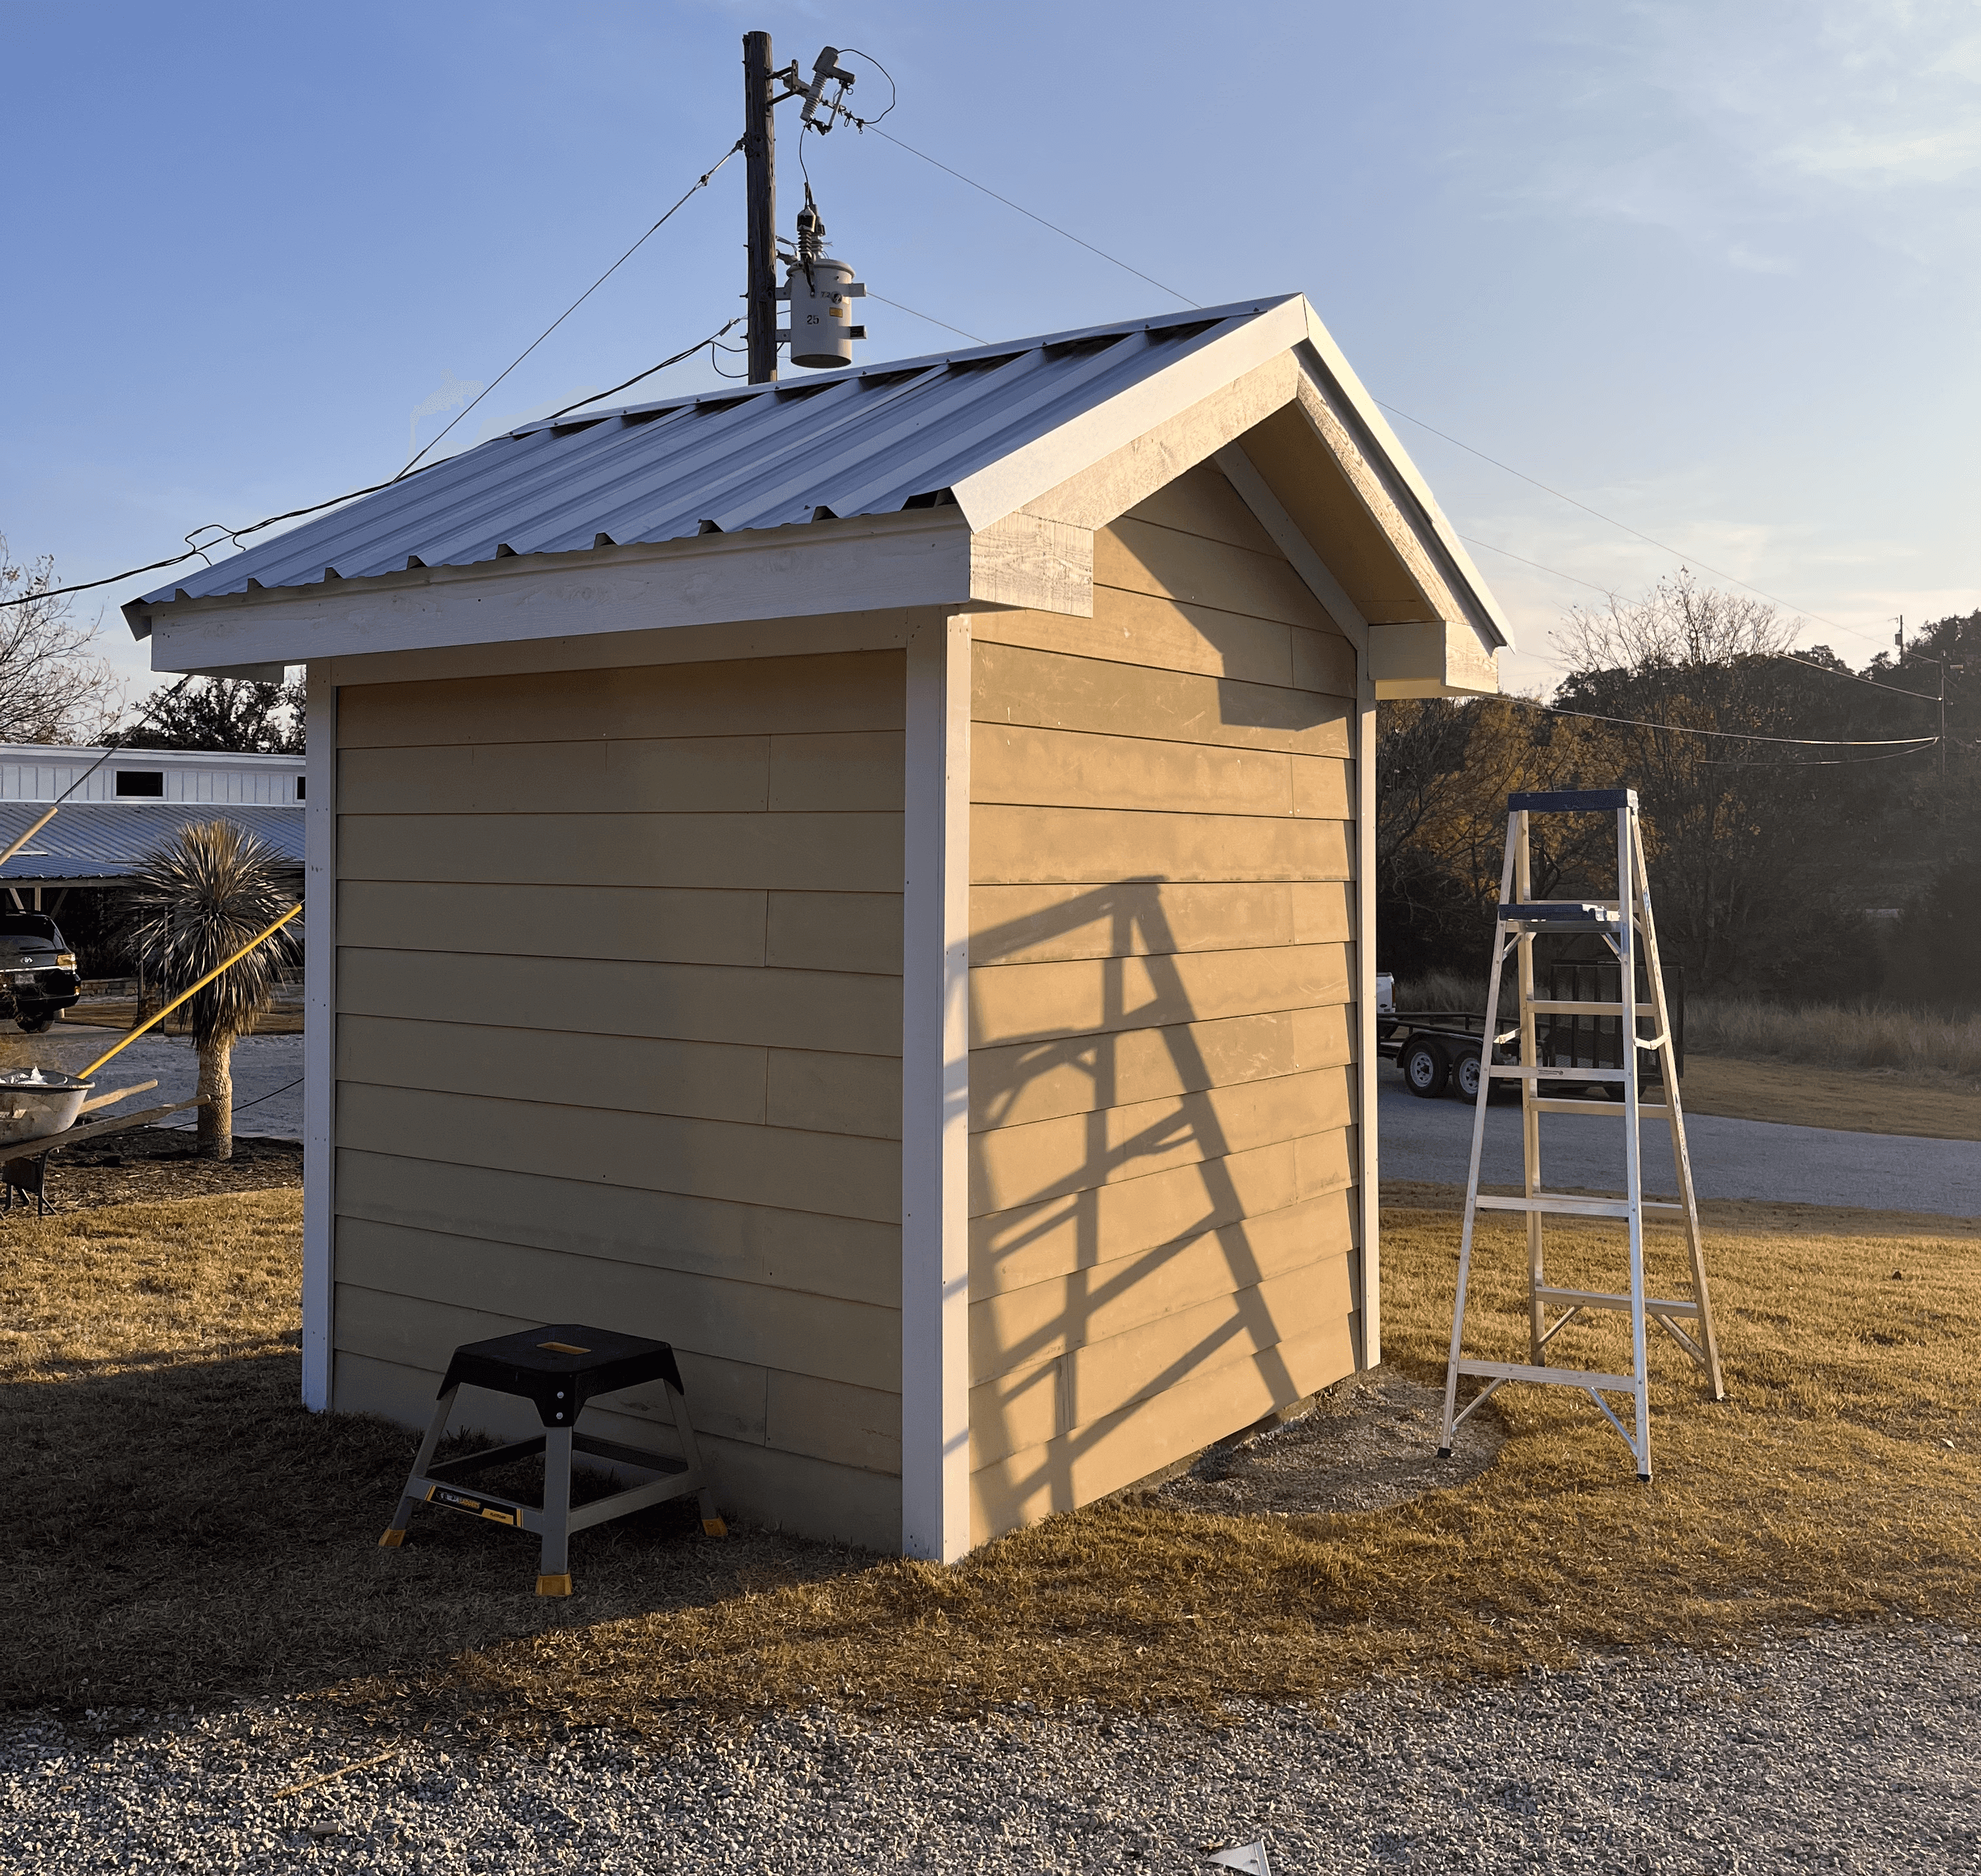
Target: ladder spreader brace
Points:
(1626, 926)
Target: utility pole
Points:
(760, 157)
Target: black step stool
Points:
(559, 1368)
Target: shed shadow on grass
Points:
(184, 1532)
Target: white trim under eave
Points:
(927, 558)
(319, 1036)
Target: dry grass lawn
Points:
(1934, 1106)
(184, 1532)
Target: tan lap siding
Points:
(619, 1041)
(1162, 1091)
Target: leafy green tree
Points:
(223, 713)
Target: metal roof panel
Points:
(867, 441)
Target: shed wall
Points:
(1162, 968)
(618, 1040)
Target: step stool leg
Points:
(554, 1572)
(395, 1532)
(712, 1519)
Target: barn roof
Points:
(105, 840)
(995, 434)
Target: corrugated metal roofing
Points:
(104, 840)
(871, 441)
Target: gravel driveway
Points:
(1842, 1749)
(268, 1077)
(1432, 1141)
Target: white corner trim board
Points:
(319, 1031)
(935, 1097)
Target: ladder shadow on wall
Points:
(1141, 945)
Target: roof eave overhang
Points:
(927, 557)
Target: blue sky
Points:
(1710, 270)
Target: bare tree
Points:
(52, 689)
(1679, 624)
(196, 900)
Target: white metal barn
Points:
(133, 801)
(861, 877)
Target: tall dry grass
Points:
(1866, 1035)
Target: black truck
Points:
(38, 974)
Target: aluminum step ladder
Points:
(1625, 925)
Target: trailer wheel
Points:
(1465, 1074)
(1425, 1070)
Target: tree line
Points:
(1800, 845)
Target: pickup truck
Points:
(37, 974)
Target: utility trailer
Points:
(1437, 1050)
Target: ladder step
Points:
(1508, 1071)
(1645, 1110)
(1600, 1299)
(1543, 1007)
(1559, 1377)
(1572, 1205)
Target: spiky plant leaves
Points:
(195, 900)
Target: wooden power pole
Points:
(760, 157)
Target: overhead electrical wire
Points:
(1731, 736)
(1394, 410)
(236, 535)
(930, 316)
(982, 188)
(700, 183)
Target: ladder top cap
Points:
(1573, 801)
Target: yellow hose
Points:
(195, 991)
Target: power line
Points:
(1734, 736)
(1788, 657)
(700, 182)
(236, 535)
(1611, 521)
(1573, 579)
(689, 353)
(1112, 260)
(930, 316)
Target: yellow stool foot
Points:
(391, 1540)
(554, 1585)
(713, 1527)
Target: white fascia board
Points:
(1387, 449)
(1006, 485)
(873, 565)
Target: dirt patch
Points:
(149, 1164)
(1368, 1443)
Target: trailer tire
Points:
(1425, 1069)
(1465, 1077)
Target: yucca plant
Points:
(195, 900)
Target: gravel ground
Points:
(1840, 1749)
(1431, 1142)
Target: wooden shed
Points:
(861, 877)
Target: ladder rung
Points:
(1599, 1299)
(1645, 1110)
(1508, 1071)
(1543, 1007)
(1574, 1205)
(1559, 1377)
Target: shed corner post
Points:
(1367, 1130)
(319, 1033)
(935, 1095)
